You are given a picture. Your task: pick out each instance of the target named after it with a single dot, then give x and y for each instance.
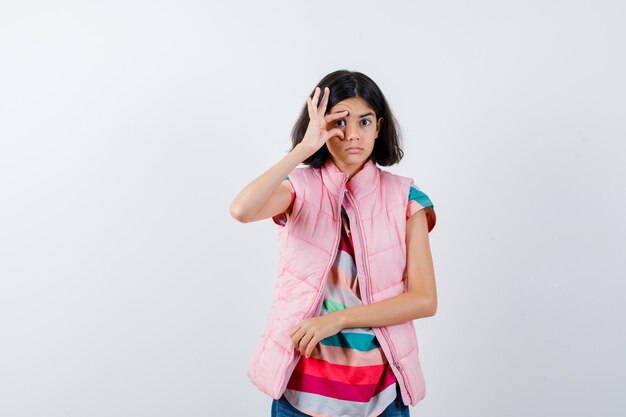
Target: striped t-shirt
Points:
(347, 373)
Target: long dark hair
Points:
(346, 84)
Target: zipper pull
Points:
(397, 365)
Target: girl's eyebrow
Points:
(360, 116)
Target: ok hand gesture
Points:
(316, 133)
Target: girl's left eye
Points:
(365, 120)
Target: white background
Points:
(127, 128)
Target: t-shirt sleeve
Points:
(281, 219)
(418, 200)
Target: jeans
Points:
(283, 408)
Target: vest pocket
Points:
(295, 295)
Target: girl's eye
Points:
(366, 122)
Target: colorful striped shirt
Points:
(347, 373)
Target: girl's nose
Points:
(352, 132)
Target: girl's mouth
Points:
(354, 149)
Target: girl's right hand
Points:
(316, 134)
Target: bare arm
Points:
(264, 197)
(420, 299)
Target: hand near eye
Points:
(316, 134)
(308, 332)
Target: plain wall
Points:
(127, 128)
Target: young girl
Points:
(355, 263)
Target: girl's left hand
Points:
(308, 332)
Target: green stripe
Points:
(420, 197)
(331, 305)
(287, 177)
(358, 341)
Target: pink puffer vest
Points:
(376, 203)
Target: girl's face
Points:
(360, 129)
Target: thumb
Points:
(336, 132)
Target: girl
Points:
(355, 262)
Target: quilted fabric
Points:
(376, 202)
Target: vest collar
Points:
(361, 184)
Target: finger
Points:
(336, 132)
(310, 107)
(311, 346)
(304, 342)
(299, 343)
(322, 106)
(334, 116)
(312, 104)
(316, 95)
(297, 337)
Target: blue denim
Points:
(283, 408)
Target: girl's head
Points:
(377, 133)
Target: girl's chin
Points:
(351, 160)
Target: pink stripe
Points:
(339, 390)
(361, 375)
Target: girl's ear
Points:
(378, 125)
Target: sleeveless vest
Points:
(376, 202)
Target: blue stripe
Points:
(420, 197)
(358, 341)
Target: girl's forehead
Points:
(353, 105)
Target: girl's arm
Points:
(264, 197)
(420, 299)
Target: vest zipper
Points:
(317, 304)
(368, 292)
